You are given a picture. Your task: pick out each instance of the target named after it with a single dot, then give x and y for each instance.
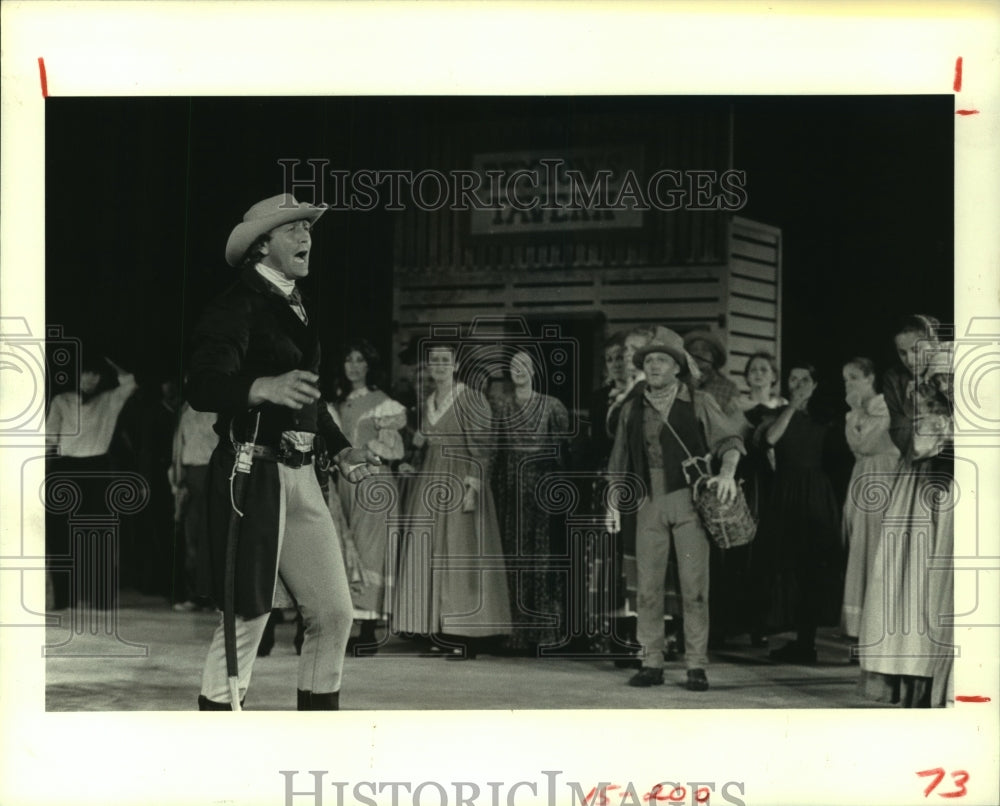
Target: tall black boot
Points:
(205, 704)
(317, 701)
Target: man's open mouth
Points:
(302, 255)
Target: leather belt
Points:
(285, 456)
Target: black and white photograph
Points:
(512, 413)
(480, 282)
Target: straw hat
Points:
(667, 341)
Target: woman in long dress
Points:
(534, 429)
(757, 472)
(905, 643)
(369, 417)
(802, 517)
(875, 459)
(453, 579)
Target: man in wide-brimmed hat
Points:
(710, 355)
(663, 422)
(255, 361)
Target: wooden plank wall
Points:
(680, 297)
(435, 242)
(739, 301)
(753, 293)
(684, 269)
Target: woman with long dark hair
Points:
(368, 417)
(905, 648)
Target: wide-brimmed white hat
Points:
(263, 217)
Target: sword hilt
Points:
(244, 457)
(243, 461)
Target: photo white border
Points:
(206, 48)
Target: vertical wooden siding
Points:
(753, 304)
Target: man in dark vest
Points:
(663, 421)
(255, 362)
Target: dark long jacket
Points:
(251, 331)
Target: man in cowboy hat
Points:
(255, 361)
(660, 424)
(710, 356)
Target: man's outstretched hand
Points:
(356, 464)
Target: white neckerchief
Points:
(276, 278)
(434, 412)
(662, 401)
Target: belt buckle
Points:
(295, 458)
(289, 456)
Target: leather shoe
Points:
(696, 680)
(205, 704)
(647, 676)
(316, 701)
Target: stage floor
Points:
(155, 664)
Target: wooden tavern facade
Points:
(577, 270)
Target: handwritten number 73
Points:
(959, 778)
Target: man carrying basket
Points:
(667, 434)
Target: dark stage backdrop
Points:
(863, 189)
(141, 194)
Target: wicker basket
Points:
(730, 524)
